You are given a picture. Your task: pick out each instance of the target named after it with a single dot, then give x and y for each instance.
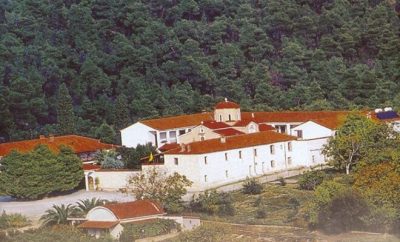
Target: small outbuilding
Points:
(107, 219)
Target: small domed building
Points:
(227, 111)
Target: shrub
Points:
(133, 232)
(14, 220)
(252, 186)
(212, 202)
(294, 203)
(258, 201)
(343, 213)
(282, 181)
(311, 179)
(260, 212)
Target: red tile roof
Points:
(232, 142)
(78, 144)
(168, 147)
(243, 122)
(228, 132)
(226, 104)
(265, 127)
(292, 116)
(98, 224)
(139, 208)
(215, 125)
(177, 121)
(89, 167)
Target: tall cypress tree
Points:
(121, 112)
(65, 111)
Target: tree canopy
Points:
(40, 172)
(120, 61)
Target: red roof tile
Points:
(98, 224)
(232, 142)
(78, 144)
(139, 208)
(89, 167)
(215, 125)
(177, 121)
(226, 104)
(168, 147)
(292, 116)
(228, 132)
(265, 127)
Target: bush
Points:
(311, 179)
(258, 201)
(212, 202)
(252, 186)
(260, 212)
(343, 213)
(14, 220)
(294, 203)
(282, 181)
(133, 232)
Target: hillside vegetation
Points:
(93, 66)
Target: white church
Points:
(225, 146)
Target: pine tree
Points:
(121, 112)
(106, 133)
(65, 112)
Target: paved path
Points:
(34, 209)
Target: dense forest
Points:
(94, 66)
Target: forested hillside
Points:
(91, 66)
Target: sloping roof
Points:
(232, 142)
(243, 122)
(215, 125)
(226, 104)
(89, 167)
(98, 224)
(79, 144)
(265, 127)
(139, 208)
(292, 116)
(177, 121)
(228, 132)
(170, 146)
(387, 115)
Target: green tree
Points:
(84, 206)
(27, 176)
(168, 190)
(121, 112)
(65, 111)
(106, 133)
(352, 141)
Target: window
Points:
(202, 138)
(272, 149)
(201, 130)
(255, 152)
(240, 154)
(226, 174)
(176, 161)
(220, 118)
(205, 178)
(272, 163)
(172, 136)
(262, 166)
(289, 146)
(182, 131)
(250, 169)
(289, 161)
(205, 160)
(229, 118)
(226, 156)
(313, 159)
(163, 136)
(299, 134)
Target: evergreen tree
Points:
(65, 111)
(106, 133)
(121, 112)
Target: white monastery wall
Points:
(136, 134)
(227, 115)
(113, 180)
(196, 133)
(312, 130)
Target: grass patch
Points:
(133, 232)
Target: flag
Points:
(151, 158)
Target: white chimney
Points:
(189, 148)
(252, 115)
(223, 139)
(226, 99)
(387, 109)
